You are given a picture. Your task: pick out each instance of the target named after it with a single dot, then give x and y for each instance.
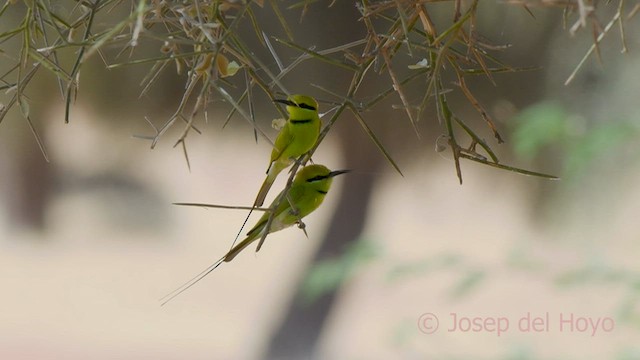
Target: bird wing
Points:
(281, 214)
(284, 139)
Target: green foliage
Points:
(599, 142)
(537, 127)
(469, 281)
(329, 274)
(470, 276)
(422, 267)
(629, 353)
(547, 126)
(595, 274)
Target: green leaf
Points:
(467, 283)
(24, 106)
(598, 141)
(539, 126)
(329, 274)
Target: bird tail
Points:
(274, 170)
(165, 299)
(241, 246)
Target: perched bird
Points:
(296, 138)
(306, 193)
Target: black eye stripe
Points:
(306, 106)
(301, 121)
(317, 178)
(286, 102)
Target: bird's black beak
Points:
(338, 172)
(286, 102)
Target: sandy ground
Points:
(88, 287)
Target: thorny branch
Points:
(200, 40)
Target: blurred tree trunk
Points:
(34, 184)
(28, 182)
(302, 325)
(300, 330)
(298, 334)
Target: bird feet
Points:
(301, 225)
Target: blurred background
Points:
(90, 240)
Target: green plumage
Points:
(296, 138)
(307, 192)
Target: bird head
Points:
(318, 177)
(300, 106)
